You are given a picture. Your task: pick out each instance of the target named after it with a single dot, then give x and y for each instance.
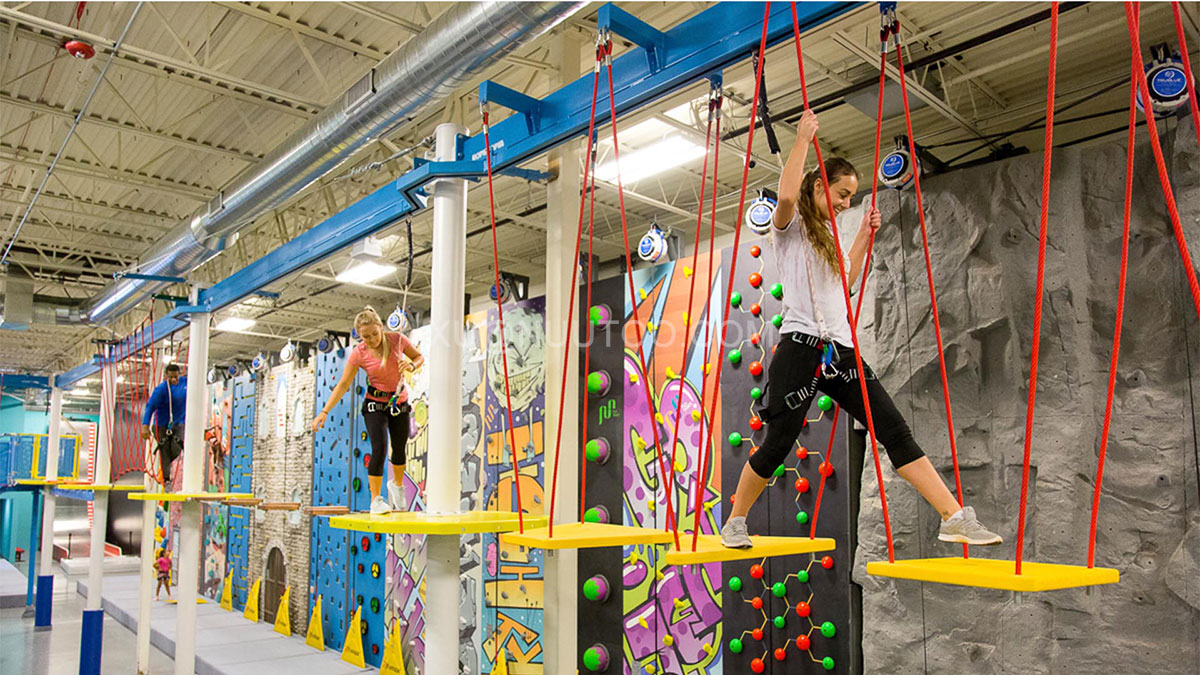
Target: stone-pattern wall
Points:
(283, 468)
(983, 227)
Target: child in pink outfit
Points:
(163, 566)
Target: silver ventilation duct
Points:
(410, 82)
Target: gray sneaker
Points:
(964, 528)
(733, 535)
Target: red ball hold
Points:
(827, 562)
(755, 309)
(756, 368)
(755, 338)
(755, 279)
(756, 603)
(802, 452)
(802, 609)
(757, 634)
(755, 251)
(756, 423)
(753, 450)
(757, 665)
(756, 571)
(780, 654)
(801, 485)
(826, 469)
(802, 643)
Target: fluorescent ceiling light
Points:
(79, 391)
(235, 324)
(364, 272)
(650, 160)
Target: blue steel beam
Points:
(713, 40)
(11, 381)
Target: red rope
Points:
(571, 312)
(587, 349)
(1116, 348)
(1187, 70)
(1047, 152)
(850, 317)
(812, 530)
(737, 236)
(512, 438)
(687, 322)
(1163, 179)
(637, 324)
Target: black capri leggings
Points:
(380, 425)
(793, 382)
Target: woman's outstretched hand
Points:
(318, 421)
(872, 219)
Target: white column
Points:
(50, 472)
(193, 481)
(562, 221)
(442, 484)
(148, 576)
(101, 476)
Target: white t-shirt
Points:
(813, 301)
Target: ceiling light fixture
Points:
(235, 324)
(651, 160)
(366, 263)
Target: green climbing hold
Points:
(825, 403)
(802, 575)
(735, 356)
(777, 291)
(828, 630)
(779, 589)
(779, 621)
(779, 471)
(735, 439)
(802, 517)
(827, 663)
(735, 646)
(356, 484)
(591, 659)
(595, 315)
(593, 450)
(735, 584)
(591, 590)
(756, 393)
(592, 515)
(595, 383)
(735, 299)
(777, 321)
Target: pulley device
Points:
(653, 245)
(900, 165)
(761, 211)
(1166, 79)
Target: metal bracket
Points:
(184, 312)
(531, 175)
(531, 108)
(149, 277)
(614, 19)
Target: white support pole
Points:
(101, 476)
(442, 483)
(148, 575)
(562, 221)
(49, 472)
(193, 481)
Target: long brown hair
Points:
(815, 226)
(367, 317)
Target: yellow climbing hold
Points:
(687, 271)
(650, 325)
(668, 640)
(685, 318)
(706, 367)
(695, 415)
(680, 463)
(633, 378)
(670, 372)
(639, 443)
(642, 293)
(642, 622)
(650, 669)
(658, 417)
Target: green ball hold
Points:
(735, 584)
(591, 516)
(591, 590)
(827, 663)
(825, 403)
(779, 622)
(777, 321)
(595, 383)
(592, 449)
(779, 471)
(591, 659)
(777, 291)
(802, 575)
(828, 630)
(779, 589)
(736, 300)
(595, 316)
(802, 517)
(756, 393)
(735, 356)
(735, 646)
(735, 439)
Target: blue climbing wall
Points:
(22, 461)
(239, 481)
(67, 448)
(367, 552)
(7, 454)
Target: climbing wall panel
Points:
(330, 551)
(240, 466)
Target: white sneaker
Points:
(396, 497)
(379, 506)
(733, 534)
(964, 528)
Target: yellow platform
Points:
(587, 535)
(128, 487)
(59, 482)
(999, 574)
(709, 549)
(186, 496)
(407, 522)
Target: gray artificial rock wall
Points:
(983, 227)
(283, 465)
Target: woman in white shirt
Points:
(815, 352)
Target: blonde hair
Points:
(815, 225)
(367, 317)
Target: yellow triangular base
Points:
(251, 611)
(352, 651)
(501, 667)
(283, 617)
(393, 658)
(316, 634)
(998, 574)
(227, 593)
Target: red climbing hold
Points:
(802, 609)
(827, 562)
(802, 643)
(756, 368)
(801, 485)
(826, 469)
(780, 654)
(755, 251)
(802, 452)
(756, 603)
(756, 571)
(756, 423)
(757, 634)
(755, 309)
(755, 279)
(757, 665)
(755, 338)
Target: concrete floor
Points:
(56, 651)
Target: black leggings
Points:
(381, 424)
(793, 382)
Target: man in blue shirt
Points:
(167, 406)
